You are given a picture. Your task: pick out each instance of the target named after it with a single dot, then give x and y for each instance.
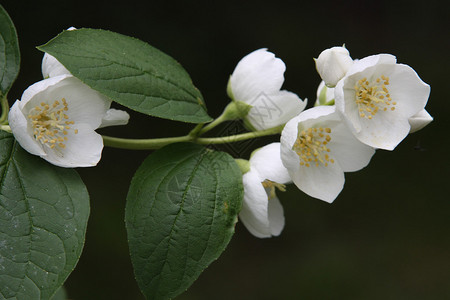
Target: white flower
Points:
(257, 80)
(56, 118)
(51, 67)
(419, 120)
(332, 64)
(377, 97)
(317, 148)
(262, 213)
(325, 95)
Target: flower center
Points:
(373, 96)
(311, 147)
(50, 123)
(270, 188)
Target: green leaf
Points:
(60, 294)
(43, 216)
(130, 72)
(181, 210)
(9, 52)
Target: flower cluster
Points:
(56, 118)
(362, 105)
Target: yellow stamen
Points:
(270, 188)
(310, 146)
(48, 122)
(371, 97)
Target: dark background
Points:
(387, 236)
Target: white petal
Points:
(39, 87)
(276, 216)
(345, 102)
(254, 212)
(19, 127)
(310, 116)
(267, 162)
(85, 104)
(288, 137)
(351, 154)
(324, 183)
(271, 110)
(408, 90)
(370, 61)
(114, 117)
(258, 72)
(83, 149)
(51, 67)
(384, 131)
(419, 120)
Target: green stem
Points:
(143, 144)
(195, 132)
(238, 137)
(5, 110)
(220, 119)
(150, 144)
(234, 110)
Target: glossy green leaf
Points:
(181, 210)
(130, 72)
(43, 215)
(9, 52)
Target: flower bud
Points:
(332, 64)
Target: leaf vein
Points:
(138, 69)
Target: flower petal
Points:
(254, 212)
(288, 137)
(83, 149)
(85, 104)
(114, 117)
(383, 132)
(419, 120)
(276, 216)
(51, 67)
(258, 72)
(267, 162)
(22, 133)
(351, 154)
(39, 87)
(324, 183)
(408, 90)
(271, 110)
(370, 61)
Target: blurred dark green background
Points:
(387, 236)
